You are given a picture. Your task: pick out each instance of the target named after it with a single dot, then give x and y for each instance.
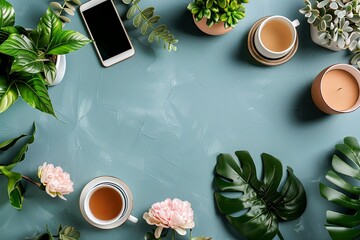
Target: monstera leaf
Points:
(258, 208)
(346, 164)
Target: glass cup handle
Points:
(295, 23)
(132, 219)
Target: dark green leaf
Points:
(154, 19)
(21, 154)
(344, 226)
(7, 14)
(144, 28)
(8, 93)
(262, 204)
(44, 236)
(66, 41)
(34, 92)
(5, 145)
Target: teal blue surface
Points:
(158, 121)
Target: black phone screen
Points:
(106, 29)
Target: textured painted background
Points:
(159, 119)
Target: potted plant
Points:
(216, 17)
(28, 56)
(335, 24)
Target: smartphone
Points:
(106, 29)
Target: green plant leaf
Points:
(261, 202)
(69, 233)
(33, 90)
(17, 44)
(66, 41)
(345, 163)
(8, 94)
(14, 188)
(21, 154)
(47, 27)
(5, 145)
(137, 20)
(29, 63)
(131, 12)
(50, 71)
(7, 14)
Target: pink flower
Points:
(56, 181)
(175, 214)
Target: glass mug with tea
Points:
(276, 36)
(107, 202)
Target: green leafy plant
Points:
(346, 167)
(27, 57)
(15, 187)
(63, 233)
(259, 203)
(147, 21)
(229, 12)
(337, 22)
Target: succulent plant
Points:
(337, 22)
(230, 12)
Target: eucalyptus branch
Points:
(66, 8)
(146, 20)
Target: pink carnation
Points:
(175, 214)
(56, 181)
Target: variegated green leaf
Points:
(8, 93)
(50, 72)
(7, 14)
(34, 92)
(67, 41)
(28, 63)
(17, 44)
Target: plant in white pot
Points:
(217, 17)
(27, 57)
(335, 24)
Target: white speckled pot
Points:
(315, 39)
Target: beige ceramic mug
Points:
(276, 36)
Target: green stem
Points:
(173, 235)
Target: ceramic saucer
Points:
(95, 182)
(266, 61)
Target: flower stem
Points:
(173, 235)
(32, 181)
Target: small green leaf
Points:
(127, 1)
(144, 28)
(69, 11)
(154, 19)
(56, 5)
(148, 12)
(70, 6)
(14, 188)
(131, 12)
(77, 2)
(69, 233)
(65, 19)
(152, 37)
(137, 20)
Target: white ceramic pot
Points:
(315, 38)
(60, 69)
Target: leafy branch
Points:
(147, 21)
(67, 7)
